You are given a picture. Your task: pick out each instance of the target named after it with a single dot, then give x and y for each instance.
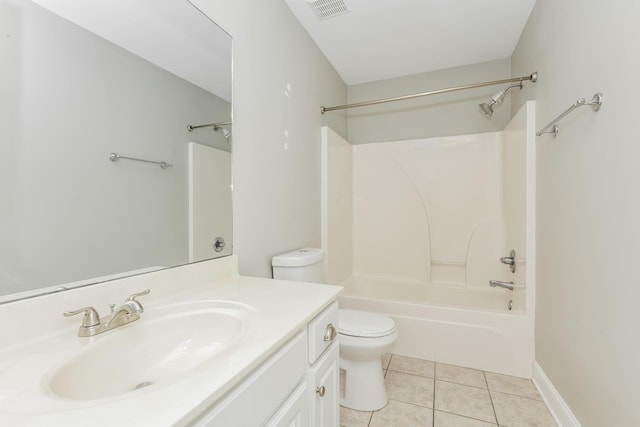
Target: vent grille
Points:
(328, 8)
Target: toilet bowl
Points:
(363, 337)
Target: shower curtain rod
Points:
(532, 77)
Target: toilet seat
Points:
(364, 324)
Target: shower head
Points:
(225, 132)
(487, 109)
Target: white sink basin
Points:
(165, 344)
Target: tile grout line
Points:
(484, 374)
(516, 395)
(433, 412)
(408, 373)
(408, 403)
(469, 418)
(466, 385)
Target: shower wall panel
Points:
(430, 210)
(519, 189)
(337, 201)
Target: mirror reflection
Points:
(76, 93)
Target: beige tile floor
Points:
(424, 393)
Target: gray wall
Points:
(68, 213)
(280, 81)
(454, 113)
(587, 314)
(587, 203)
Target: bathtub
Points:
(471, 327)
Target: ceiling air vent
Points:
(328, 8)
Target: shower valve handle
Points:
(510, 260)
(507, 260)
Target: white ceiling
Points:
(382, 39)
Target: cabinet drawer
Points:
(323, 330)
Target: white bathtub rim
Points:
(499, 298)
(454, 308)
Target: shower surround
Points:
(414, 229)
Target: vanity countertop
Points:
(48, 341)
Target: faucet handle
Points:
(134, 303)
(133, 297)
(91, 317)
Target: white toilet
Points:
(363, 336)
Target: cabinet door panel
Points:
(324, 386)
(294, 412)
(263, 391)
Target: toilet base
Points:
(362, 385)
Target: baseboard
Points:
(558, 407)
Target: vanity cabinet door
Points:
(262, 394)
(294, 412)
(324, 377)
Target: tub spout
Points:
(500, 284)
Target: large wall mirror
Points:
(83, 85)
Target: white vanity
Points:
(211, 348)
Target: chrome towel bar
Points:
(114, 157)
(215, 126)
(595, 103)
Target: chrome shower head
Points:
(225, 132)
(487, 109)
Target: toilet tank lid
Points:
(358, 323)
(298, 258)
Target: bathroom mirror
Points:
(83, 86)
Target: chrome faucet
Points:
(500, 284)
(128, 312)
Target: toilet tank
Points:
(302, 265)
